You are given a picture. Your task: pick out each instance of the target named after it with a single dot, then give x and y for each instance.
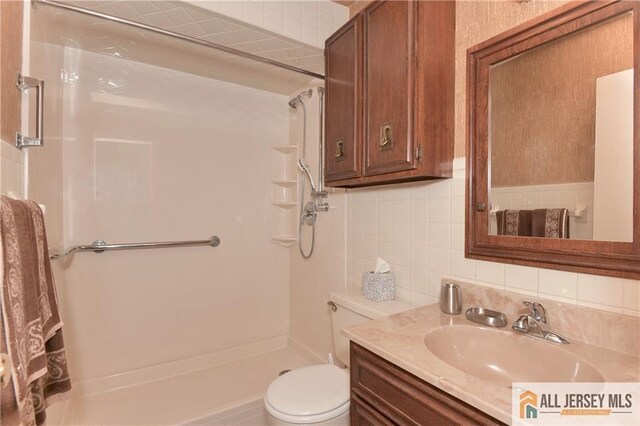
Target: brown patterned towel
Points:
(31, 322)
(550, 223)
(514, 222)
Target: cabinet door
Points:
(364, 415)
(389, 28)
(343, 62)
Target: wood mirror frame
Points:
(621, 259)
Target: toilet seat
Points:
(309, 395)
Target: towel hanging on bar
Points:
(30, 322)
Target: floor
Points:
(226, 394)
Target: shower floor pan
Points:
(228, 393)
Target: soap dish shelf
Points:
(486, 317)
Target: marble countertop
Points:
(400, 339)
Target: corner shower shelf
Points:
(284, 241)
(287, 183)
(285, 205)
(285, 149)
(284, 194)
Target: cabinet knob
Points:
(339, 150)
(386, 137)
(480, 207)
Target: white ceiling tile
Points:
(223, 38)
(120, 9)
(178, 16)
(241, 35)
(166, 5)
(212, 26)
(192, 30)
(159, 20)
(144, 7)
(198, 14)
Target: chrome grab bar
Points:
(100, 246)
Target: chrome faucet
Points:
(535, 324)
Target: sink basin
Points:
(503, 357)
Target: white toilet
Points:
(320, 394)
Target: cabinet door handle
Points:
(25, 83)
(386, 136)
(339, 150)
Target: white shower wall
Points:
(151, 154)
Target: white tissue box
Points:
(378, 287)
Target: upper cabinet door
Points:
(389, 58)
(343, 62)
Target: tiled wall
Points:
(310, 21)
(567, 195)
(419, 229)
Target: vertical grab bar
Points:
(25, 83)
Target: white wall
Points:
(152, 154)
(419, 229)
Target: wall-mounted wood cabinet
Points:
(390, 95)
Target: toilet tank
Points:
(353, 309)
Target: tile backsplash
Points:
(419, 229)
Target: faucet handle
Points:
(537, 310)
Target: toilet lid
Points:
(309, 392)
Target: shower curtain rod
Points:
(205, 43)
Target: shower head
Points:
(293, 103)
(305, 168)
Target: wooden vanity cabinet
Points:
(384, 394)
(391, 103)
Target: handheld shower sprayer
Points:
(305, 168)
(309, 211)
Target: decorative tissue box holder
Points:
(378, 287)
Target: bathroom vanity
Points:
(426, 367)
(400, 397)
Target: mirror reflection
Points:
(561, 137)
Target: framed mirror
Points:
(553, 164)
